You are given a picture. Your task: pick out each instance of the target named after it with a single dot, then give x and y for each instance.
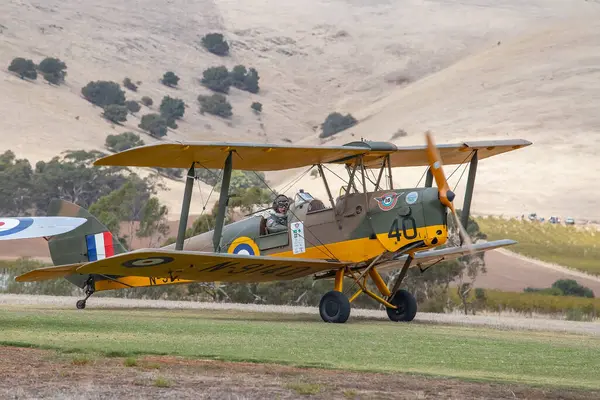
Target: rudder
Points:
(89, 242)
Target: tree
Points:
(172, 109)
(115, 113)
(133, 106)
(123, 141)
(153, 221)
(24, 68)
(130, 85)
(53, 70)
(103, 93)
(155, 124)
(16, 189)
(215, 43)
(217, 79)
(336, 122)
(256, 106)
(170, 79)
(245, 80)
(216, 104)
(147, 101)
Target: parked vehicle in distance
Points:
(570, 221)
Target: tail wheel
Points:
(334, 307)
(80, 304)
(407, 306)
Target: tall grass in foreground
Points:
(569, 246)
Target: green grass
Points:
(569, 246)
(363, 345)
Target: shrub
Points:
(133, 106)
(115, 113)
(170, 79)
(173, 173)
(155, 124)
(336, 122)
(216, 104)
(217, 79)
(53, 70)
(256, 106)
(103, 93)
(245, 79)
(172, 109)
(215, 43)
(123, 141)
(147, 101)
(24, 68)
(130, 85)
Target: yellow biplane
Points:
(356, 235)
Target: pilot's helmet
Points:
(281, 201)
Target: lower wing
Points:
(429, 257)
(179, 266)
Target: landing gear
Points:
(406, 306)
(89, 290)
(334, 307)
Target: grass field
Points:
(569, 246)
(480, 354)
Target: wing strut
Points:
(469, 192)
(223, 200)
(185, 207)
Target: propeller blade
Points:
(435, 163)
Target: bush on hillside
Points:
(217, 79)
(564, 287)
(147, 101)
(123, 141)
(170, 79)
(24, 68)
(245, 79)
(215, 43)
(103, 93)
(173, 173)
(172, 109)
(216, 104)
(256, 106)
(133, 106)
(336, 122)
(130, 85)
(115, 113)
(53, 70)
(155, 124)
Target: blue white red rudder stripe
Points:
(100, 246)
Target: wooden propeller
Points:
(435, 164)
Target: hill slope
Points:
(313, 57)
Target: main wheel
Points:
(80, 304)
(334, 307)
(407, 306)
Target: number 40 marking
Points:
(395, 228)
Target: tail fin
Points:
(89, 242)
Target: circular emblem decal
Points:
(147, 262)
(387, 201)
(244, 246)
(10, 226)
(412, 197)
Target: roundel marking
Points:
(244, 246)
(147, 262)
(10, 226)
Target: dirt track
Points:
(33, 373)
(494, 321)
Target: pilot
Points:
(278, 221)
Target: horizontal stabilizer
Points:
(47, 273)
(424, 258)
(206, 267)
(36, 227)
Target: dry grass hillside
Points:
(411, 65)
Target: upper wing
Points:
(424, 258)
(206, 267)
(249, 157)
(35, 227)
(416, 156)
